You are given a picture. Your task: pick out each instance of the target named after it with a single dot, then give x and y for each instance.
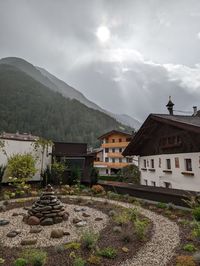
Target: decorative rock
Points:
(76, 220)
(47, 221)
(117, 229)
(13, 233)
(66, 233)
(81, 224)
(112, 213)
(28, 241)
(15, 214)
(125, 249)
(65, 216)
(77, 209)
(85, 215)
(35, 230)
(57, 220)
(33, 220)
(57, 233)
(98, 219)
(2, 208)
(4, 222)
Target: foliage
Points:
(98, 189)
(192, 200)
(46, 176)
(189, 247)
(35, 257)
(108, 252)
(75, 176)
(111, 178)
(95, 260)
(196, 230)
(161, 205)
(130, 174)
(140, 228)
(57, 171)
(185, 261)
(2, 170)
(94, 176)
(89, 239)
(113, 195)
(126, 216)
(196, 213)
(2, 261)
(20, 262)
(79, 262)
(47, 113)
(2, 147)
(21, 166)
(73, 245)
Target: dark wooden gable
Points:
(159, 137)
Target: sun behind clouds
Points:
(103, 34)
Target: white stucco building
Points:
(168, 147)
(21, 144)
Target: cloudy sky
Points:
(127, 56)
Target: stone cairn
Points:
(47, 210)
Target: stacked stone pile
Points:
(47, 210)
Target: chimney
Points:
(170, 106)
(194, 110)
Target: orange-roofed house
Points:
(109, 158)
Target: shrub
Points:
(20, 262)
(141, 227)
(122, 218)
(89, 239)
(196, 213)
(196, 230)
(130, 174)
(189, 247)
(113, 195)
(161, 205)
(35, 257)
(2, 261)
(94, 260)
(108, 252)
(79, 262)
(185, 261)
(97, 189)
(73, 245)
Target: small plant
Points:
(60, 248)
(73, 245)
(196, 230)
(108, 252)
(95, 260)
(89, 239)
(20, 262)
(97, 189)
(161, 205)
(113, 195)
(196, 213)
(185, 261)
(35, 257)
(79, 262)
(189, 247)
(141, 227)
(2, 261)
(122, 218)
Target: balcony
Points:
(115, 155)
(110, 165)
(115, 145)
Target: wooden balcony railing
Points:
(115, 155)
(111, 165)
(115, 145)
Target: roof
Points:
(114, 132)
(18, 136)
(189, 123)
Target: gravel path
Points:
(160, 249)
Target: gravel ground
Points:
(43, 238)
(161, 248)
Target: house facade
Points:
(168, 147)
(109, 158)
(15, 143)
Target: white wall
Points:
(176, 178)
(15, 146)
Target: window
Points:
(113, 140)
(120, 149)
(152, 163)
(113, 150)
(113, 160)
(106, 150)
(107, 172)
(145, 163)
(188, 164)
(160, 162)
(153, 183)
(106, 140)
(129, 160)
(120, 140)
(120, 160)
(167, 185)
(106, 159)
(168, 164)
(145, 182)
(177, 162)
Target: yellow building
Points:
(109, 159)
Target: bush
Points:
(35, 257)
(196, 213)
(79, 262)
(89, 239)
(95, 260)
(141, 227)
(20, 262)
(185, 261)
(189, 247)
(196, 230)
(97, 189)
(130, 174)
(108, 252)
(161, 205)
(73, 245)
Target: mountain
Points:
(67, 91)
(27, 105)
